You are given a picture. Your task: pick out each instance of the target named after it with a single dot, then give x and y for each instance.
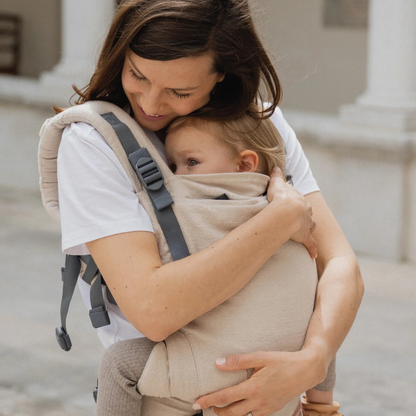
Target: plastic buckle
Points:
(95, 394)
(99, 317)
(149, 173)
(63, 338)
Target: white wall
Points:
(41, 39)
(320, 68)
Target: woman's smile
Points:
(150, 116)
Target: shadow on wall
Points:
(346, 13)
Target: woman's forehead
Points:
(190, 72)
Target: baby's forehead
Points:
(208, 126)
(199, 131)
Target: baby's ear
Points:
(248, 161)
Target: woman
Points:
(164, 59)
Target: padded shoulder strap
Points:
(50, 139)
(145, 168)
(134, 150)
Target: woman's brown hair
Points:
(165, 30)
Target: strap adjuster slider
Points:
(149, 173)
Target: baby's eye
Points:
(192, 162)
(173, 168)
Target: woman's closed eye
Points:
(175, 93)
(135, 76)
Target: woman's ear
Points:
(248, 161)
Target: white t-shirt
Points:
(97, 199)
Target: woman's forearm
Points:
(159, 299)
(340, 287)
(338, 297)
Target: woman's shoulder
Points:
(82, 143)
(81, 133)
(85, 152)
(281, 124)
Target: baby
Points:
(198, 146)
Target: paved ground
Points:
(376, 365)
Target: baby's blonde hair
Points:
(243, 133)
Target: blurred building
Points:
(348, 70)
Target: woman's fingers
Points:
(277, 184)
(241, 361)
(310, 208)
(279, 188)
(277, 172)
(241, 408)
(279, 378)
(234, 393)
(223, 398)
(310, 245)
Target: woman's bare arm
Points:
(281, 376)
(160, 299)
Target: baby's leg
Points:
(121, 367)
(329, 383)
(320, 398)
(323, 392)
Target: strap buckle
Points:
(149, 173)
(95, 394)
(99, 316)
(63, 338)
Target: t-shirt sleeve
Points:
(96, 197)
(297, 164)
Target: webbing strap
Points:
(91, 269)
(98, 313)
(69, 278)
(151, 177)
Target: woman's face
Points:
(160, 91)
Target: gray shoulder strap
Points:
(152, 179)
(150, 176)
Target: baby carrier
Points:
(189, 213)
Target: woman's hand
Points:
(278, 378)
(278, 191)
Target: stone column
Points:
(84, 26)
(390, 98)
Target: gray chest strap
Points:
(151, 178)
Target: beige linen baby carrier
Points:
(270, 313)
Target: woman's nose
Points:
(151, 102)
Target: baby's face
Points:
(192, 151)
